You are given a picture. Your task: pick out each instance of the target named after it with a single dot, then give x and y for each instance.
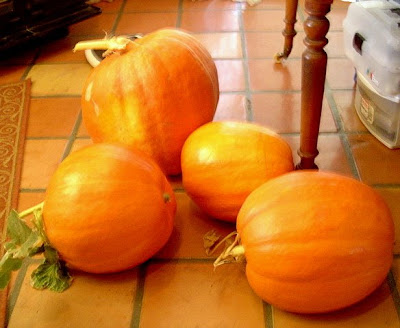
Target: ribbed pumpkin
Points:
(223, 162)
(152, 95)
(315, 241)
(108, 209)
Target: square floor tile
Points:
(80, 143)
(91, 301)
(210, 21)
(270, 4)
(222, 45)
(335, 46)
(344, 101)
(282, 111)
(94, 27)
(154, 5)
(145, 22)
(264, 20)
(209, 5)
(366, 150)
(231, 107)
(268, 44)
(332, 155)
(41, 159)
(58, 79)
(340, 73)
(60, 51)
(378, 310)
(336, 18)
(194, 295)
(230, 75)
(28, 199)
(392, 197)
(265, 74)
(46, 113)
(110, 6)
(191, 224)
(11, 73)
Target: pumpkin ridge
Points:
(205, 69)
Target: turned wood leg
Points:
(314, 61)
(289, 32)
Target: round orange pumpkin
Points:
(108, 208)
(315, 241)
(152, 95)
(223, 162)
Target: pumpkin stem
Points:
(115, 43)
(233, 253)
(166, 197)
(210, 250)
(31, 210)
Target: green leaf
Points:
(5, 277)
(8, 264)
(9, 245)
(17, 229)
(53, 276)
(34, 241)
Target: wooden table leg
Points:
(314, 61)
(289, 32)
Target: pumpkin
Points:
(223, 162)
(108, 208)
(151, 95)
(315, 241)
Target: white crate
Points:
(372, 41)
(380, 114)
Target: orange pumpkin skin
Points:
(152, 95)
(105, 209)
(315, 242)
(223, 162)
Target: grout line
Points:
(138, 301)
(386, 185)
(48, 138)
(32, 190)
(118, 18)
(340, 131)
(14, 294)
(56, 96)
(72, 137)
(394, 291)
(180, 13)
(245, 62)
(268, 315)
(181, 260)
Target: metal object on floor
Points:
(24, 21)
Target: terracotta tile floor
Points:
(179, 287)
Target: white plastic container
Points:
(372, 41)
(380, 114)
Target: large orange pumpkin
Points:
(315, 242)
(152, 95)
(108, 208)
(223, 162)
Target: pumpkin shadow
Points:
(369, 304)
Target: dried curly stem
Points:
(233, 253)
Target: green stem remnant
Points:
(23, 242)
(113, 44)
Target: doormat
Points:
(14, 104)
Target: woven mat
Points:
(14, 103)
